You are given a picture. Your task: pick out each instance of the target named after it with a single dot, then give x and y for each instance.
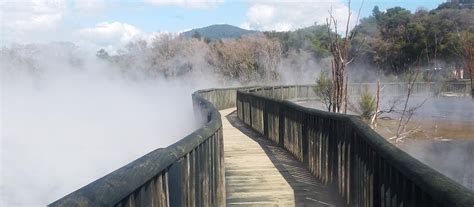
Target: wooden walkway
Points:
(259, 173)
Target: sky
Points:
(110, 24)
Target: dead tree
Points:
(377, 105)
(471, 70)
(339, 48)
(408, 112)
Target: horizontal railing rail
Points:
(391, 88)
(346, 153)
(189, 172)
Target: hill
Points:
(220, 31)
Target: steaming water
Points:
(64, 130)
(448, 109)
(440, 118)
(452, 158)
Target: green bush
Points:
(367, 103)
(323, 89)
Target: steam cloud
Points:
(68, 119)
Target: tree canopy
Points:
(430, 38)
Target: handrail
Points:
(189, 172)
(343, 151)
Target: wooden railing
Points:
(346, 153)
(188, 173)
(389, 88)
(427, 88)
(336, 148)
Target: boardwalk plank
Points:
(259, 173)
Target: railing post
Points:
(250, 112)
(304, 139)
(377, 184)
(265, 119)
(281, 124)
(242, 108)
(174, 179)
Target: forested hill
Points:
(394, 39)
(387, 43)
(219, 31)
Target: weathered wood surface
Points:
(259, 173)
(343, 151)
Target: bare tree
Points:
(471, 70)
(247, 59)
(377, 105)
(339, 48)
(235, 59)
(408, 112)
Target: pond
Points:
(444, 139)
(438, 118)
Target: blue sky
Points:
(175, 18)
(112, 23)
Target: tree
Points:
(339, 48)
(248, 59)
(196, 35)
(464, 49)
(471, 71)
(323, 90)
(103, 54)
(367, 103)
(312, 39)
(319, 43)
(401, 36)
(390, 45)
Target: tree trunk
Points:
(471, 70)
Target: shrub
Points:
(366, 103)
(323, 89)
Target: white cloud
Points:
(105, 33)
(291, 15)
(114, 36)
(90, 7)
(21, 18)
(42, 21)
(196, 4)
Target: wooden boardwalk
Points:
(259, 173)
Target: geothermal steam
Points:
(63, 126)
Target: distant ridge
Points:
(219, 31)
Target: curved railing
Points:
(336, 148)
(189, 172)
(343, 151)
